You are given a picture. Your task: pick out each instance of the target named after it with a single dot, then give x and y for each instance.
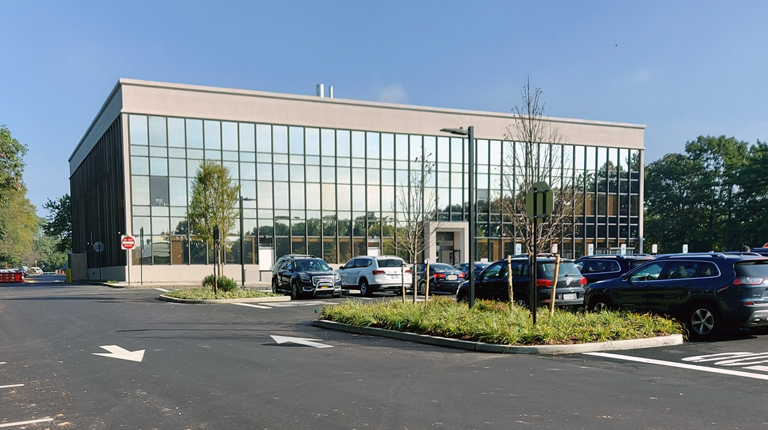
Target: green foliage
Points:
(713, 197)
(11, 164)
(59, 223)
(18, 225)
(207, 293)
(500, 323)
(214, 201)
(224, 284)
(46, 254)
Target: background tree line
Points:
(713, 197)
(26, 239)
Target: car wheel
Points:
(365, 290)
(274, 287)
(521, 301)
(703, 321)
(422, 288)
(295, 294)
(601, 304)
(462, 297)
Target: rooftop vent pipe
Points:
(320, 90)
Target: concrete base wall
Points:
(192, 274)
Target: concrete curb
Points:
(220, 301)
(616, 345)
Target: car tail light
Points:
(407, 270)
(461, 275)
(378, 272)
(543, 283)
(439, 275)
(747, 281)
(583, 281)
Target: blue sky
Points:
(683, 68)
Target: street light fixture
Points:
(470, 133)
(242, 239)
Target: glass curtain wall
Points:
(334, 193)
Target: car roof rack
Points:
(694, 254)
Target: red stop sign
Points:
(128, 242)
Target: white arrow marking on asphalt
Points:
(11, 386)
(23, 423)
(123, 354)
(300, 341)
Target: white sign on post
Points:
(654, 248)
(623, 249)
(685, 248)
(518, 248)
(591, 249)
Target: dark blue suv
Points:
(600, 267)
(707, 292)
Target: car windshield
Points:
(312, 266)
(390, 262)
(547, 270)
(440, 268)
(752, 269)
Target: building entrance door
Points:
(445, 247)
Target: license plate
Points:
(571, 296)
(394, 276)
(324, 287)
(451, 277)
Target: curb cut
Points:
(615, 345)
(222, 301)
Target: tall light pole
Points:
(242, 239)
(470, 133)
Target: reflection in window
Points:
(194, 133)
(329, 197)
(281, 195)
(138, 129)
(159, 195)
(157, 132)
(280, 139)
(212, 134)
(342, 143)
(140, 190)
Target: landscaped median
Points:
(206, 295)
(501, 327)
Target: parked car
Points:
(443, 278)
(464, 267)
(24, 271)
(304, 275)
(599, 267)
(380, 273)
(493, 283)
(36, 270)
(762, 251)
(707, 291)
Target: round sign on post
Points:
(98, 247)
(127, 243)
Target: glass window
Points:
(343, 198)
(401, 145)
(176, 132)
(343, 175)
(158, 166)
(342, 143)
(265, 171)
(140, 190)
(358, 202)
(373, 176)
(313, 173)
(313, 196)
(388, 146)
(158, 151)
(158, 188)
(312, 141)
(265, 194)
(280, 172)
(140, 165)
(297, 140)
(138, 224)
(178, 188)
(372, 144)
(263, 138)
(194, 133)
(213, 154)
(373, 198)
(247, 137)
(329, 142)
(329, 197)
(157, 132)
(229, 136)
(281, 195)
(139, 150)
(358, 144)
(280, 139)
(358, 176)
(297, 196)
(212, 134)
(388, 198)
(138, 129)
(247, 171)
(416, 148)
(648, 272)
(297, 173)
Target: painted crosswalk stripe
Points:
(11, 386)
(679, 365)
(23, 423)
(162, 289)
(252, 305)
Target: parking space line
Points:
(11, 386)
(252, 305)
(23, 423)
(679, 365)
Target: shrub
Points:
(225, 284)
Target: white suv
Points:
(369, 274)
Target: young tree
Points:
(59, 223)
(18, 224)
(213, 203)
(532, 156)
(11, 164)
(416, 206)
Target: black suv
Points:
(304, 275)
(705, 291)
(492, 283)
(600, 267)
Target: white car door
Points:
(347, 273)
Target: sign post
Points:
(538, 205)
(99, 248)
(128, 243)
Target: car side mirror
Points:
(341, 268)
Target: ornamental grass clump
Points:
(500, 322)
(206, 293)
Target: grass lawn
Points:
(207, 293)
(500, 323)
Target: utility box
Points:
(78, 264)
